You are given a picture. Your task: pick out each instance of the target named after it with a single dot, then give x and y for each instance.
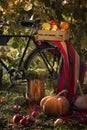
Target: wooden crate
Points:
(59, 35)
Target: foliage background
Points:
(72, 11)
(12, 11)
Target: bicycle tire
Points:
(34, 62)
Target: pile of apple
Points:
(19, 119)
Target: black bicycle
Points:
(44, 58)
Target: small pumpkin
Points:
(81, 101)
(55, 105)
(64, 25)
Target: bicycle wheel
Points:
(44, 62)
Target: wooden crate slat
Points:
(49, 32)
(42, 37)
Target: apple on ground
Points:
(35, 113)
(24, 121)
(17, 118)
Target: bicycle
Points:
(43, 57)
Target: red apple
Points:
(35, 113)
(53, 22)
(24, 121)
(17, 118)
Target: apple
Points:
(54, 25)
(24, 121)
(35, 113)
(17, 118)
(53, 22)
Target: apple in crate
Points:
(54, 25)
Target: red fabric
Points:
(66, 78)
(61, 84)
(65, 56)
(65, 73)
(68, 71)
(72, 54)
(76, 115)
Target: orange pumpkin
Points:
(64, 25)
(55, 105)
